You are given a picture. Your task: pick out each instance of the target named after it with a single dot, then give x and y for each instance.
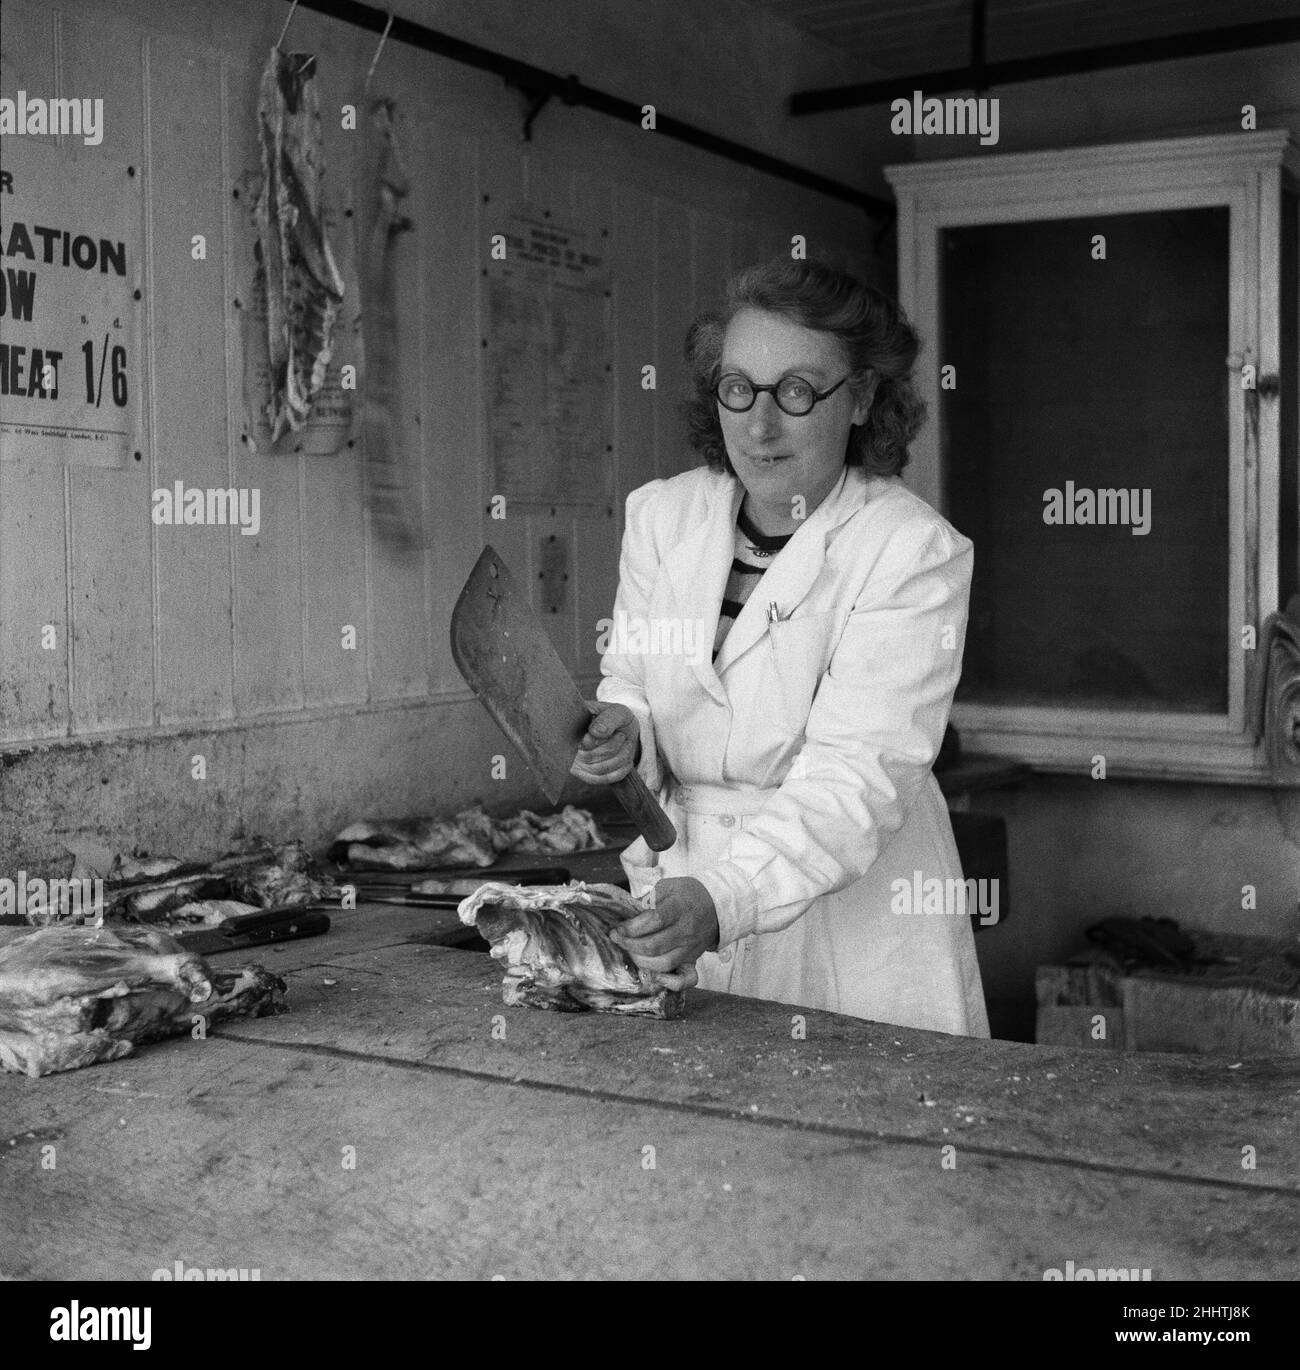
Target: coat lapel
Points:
(697, 569)
(794, 569)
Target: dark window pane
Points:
(1288, 552)
(1082, 375)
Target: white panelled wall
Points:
(177, 642)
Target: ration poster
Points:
(70, 274)
(547, 354)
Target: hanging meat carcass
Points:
(392, 478)
(296, 270)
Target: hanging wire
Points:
(374, 61)
(287, 22)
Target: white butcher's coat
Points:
(797, 767)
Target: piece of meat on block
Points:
(72, 996)
(554, 943)
(417, 843)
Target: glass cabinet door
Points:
(1084, 451)
(1110, 364)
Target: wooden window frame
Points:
(1245, 173)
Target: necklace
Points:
(762, 545)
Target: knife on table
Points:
(256, 929)
(402, 892)
(472, 876)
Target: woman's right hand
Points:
(608, 748)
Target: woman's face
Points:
(778, 456)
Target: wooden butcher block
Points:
(746, 1140)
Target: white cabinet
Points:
(1110, 361)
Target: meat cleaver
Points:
(508, 661)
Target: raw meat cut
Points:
(296, 270)
(405, 844)
(126, 869)
(205, 913)
(72, 996)
(571, 829)
(460, 888)
(259, 876)
(554, 943)
(153, 902)
(471, 838)
(286, 878)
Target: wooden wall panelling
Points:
(444, 199)
(28, 46)
(863, 263)
(775, 235)
(331, 492)
(109, 524)
(596, 535)
(187, 314)
(33, 594)
(712, 259)
(636, 410)
(752, 243)
(674, 296)
(268, 568)
(548, 185)
(501, 187)
(33, 551)
(399, 609)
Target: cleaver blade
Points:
(510, 663)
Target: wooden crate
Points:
(1244, 1000)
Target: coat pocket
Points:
(798, 654)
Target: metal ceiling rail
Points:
(981, 75)
(541, 85)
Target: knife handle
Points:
(645, 811)
(307, 923)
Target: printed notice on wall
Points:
(547, 352)
(70, 228)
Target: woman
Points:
(795, 763)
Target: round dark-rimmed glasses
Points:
(793, 395)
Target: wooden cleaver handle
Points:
(644, 810)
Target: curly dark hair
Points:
(876, 338)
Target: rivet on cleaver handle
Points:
(509, 662)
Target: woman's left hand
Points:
(681, 927)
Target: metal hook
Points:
(535, 106)
(374, 62)
(287, 22)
